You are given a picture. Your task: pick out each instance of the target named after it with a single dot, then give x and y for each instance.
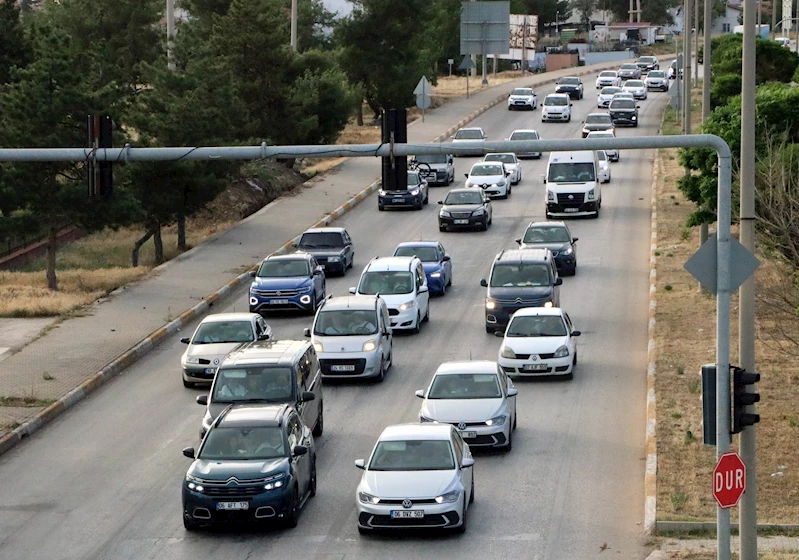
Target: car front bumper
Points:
(403, 200)
(521, 104)
(265, 304)
(336, 365)
(624, 120)
(572, 93)
(480, 435)
(565, 263)
(663, 85)
(199, 373)
(330, 265)
(403, 319)
(552, 366)
(555, 116)
(471, 221)
(267, 506)
(587, 208)
(436, 177)
(378, 516)
(437, 284)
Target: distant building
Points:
(721, 25)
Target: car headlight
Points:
(496, 421)
(568, 251)
(369, 345)
(365, 498)
(253, 300)
(449, 497)
(414, 192)
(194, 483)
(318, 346)
(192, 360)
(444, 214)
(478, 212)
(333, 259)
(490, 304)
(435, 275)
(407, 305)
(551, 196)
(501, 183)
(507, 352)
(562, 352)
(275, 482)
(548, 304)
(634, 117)
(591, 194)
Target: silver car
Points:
(512, 164)
(525, 134)
(636, 87)
(657, 79)
(606, 95)
(629, 72)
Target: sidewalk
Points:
(61, 367)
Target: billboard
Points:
(523, 33)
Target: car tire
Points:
(380, 376)
(509, 446)
(390, 357)
(426, 197)
(461, 529)
(471, 494)
(189, 384)
(426, 318)
(484, 227)
(515, 419)
(190, 524)
(442, 228)
(381, 207)
(293, 516)
(320, 422)
(569, 376)
(569, 119)
(418, 326)
(312, 482)
(490, 329)
(449, 282)
(314, 304)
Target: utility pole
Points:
(707, 26)
(696, 42)
(170, 34)
(686, 65)
(746, 295)
(293, 25)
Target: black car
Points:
(465, 208)
(624, 111)
(556, 237)
(647, 63)
(572, 86)
(415, 196)
(256, 463)
(597, 121)
(332, 247)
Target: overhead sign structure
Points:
(523, 38)
(729, 480)
(485, 27)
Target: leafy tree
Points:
(315, 24)
(584, 9)
(203, 9)
(14, 50)
(442, 29)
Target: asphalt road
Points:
(103, 481)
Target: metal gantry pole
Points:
(170, 34)
(696, 42)
(686, 67)
(293, 25)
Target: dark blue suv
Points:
(287, 282)
(256, 463)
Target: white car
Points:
(522, 98)
(477, 398)
(512, 164)
(605, 95)
(604, 166)
(418, 476)
(613, 154)
(525, 135)
(539, 341)
(657, 79)
(556, 107)
(465, 136)
(636, 87)
(608, 78)
(492, 177)
(214, 338)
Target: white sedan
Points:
(612, 153)
(636, 87)
(606, 95)
(604, 166)
(492, 177)
(539, 341)
(477, 398)
(418, 476)
(512, 164)
(608, 78)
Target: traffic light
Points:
(101, 175)
(709, 404)
(741, 398)
(395, 168)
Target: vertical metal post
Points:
(170, 34)
(706, 63)
(293, 25)
(696, 42)
(686, 65)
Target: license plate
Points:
(278, 301)
(407, 514)
(469, 435)
(342, 368)
(571, 209)
(228, 506)
(535, 367)
(458, 222)
(210, 370)
(398, 200)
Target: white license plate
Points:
(470, 435)
(535, 367)
(571, 209)
(210, 370)
(398, 200)
(342, 368)
(232, 505)
(278, 301)
(407, 514)
(460, 222)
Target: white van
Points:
(571, 184)
(402, 283)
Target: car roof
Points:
(533, 311)
(548, 223)
(602, 133)
(428, 430)
(464, 189)
(253, 415)
(225, 317)
(467, 366)
(325, 230)
(524, 130)
(390, 263)
(522, 255)
(557, 95)
(579, 155)
(298, 256)
(598, 115)
(500, 154)
(418, 244)
(358, 302)
(471, 128)
(267, 352)
(570, 78)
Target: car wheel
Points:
(293, 516)
(382, 375)
(314, 305)
(417, 327)
(461, 529)
(471, 494)
(574, 360)
(509, 445)
(381, 207)
(426, 318)
(320, 422)
(188, 384)
(390, 357)
(484, 227)
(569, 376)
(569, 119)
(312, 482)
(449, 282)
(190, 524)
(442, 228)
(490, 329)
(427, 197)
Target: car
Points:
(657, 79)
(464, 208)
(629, 71)
(353, 338)
(603, 172)
(417, 476)
(477, 398)
(539, 341)
(466, 136)
(784, 41)
(402, 283)
(415, 196)
(522, 98)
(332, 247)
(622, 94)
(596, 121)
(511, 163)
(636, 87)
(570, 85)
(255, 464)
(611, 153)
(605, 95)
(672, 71)
(555, 236)
(436, 169)
(624, 112)
(647, 63)
(436, 262)
(519, 278)
(572, 186)
(214, 338)
(556, 107)
(608, 78)
(287, 283)
(492, 177)
(525, 134)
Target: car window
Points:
(237, 443)
(524, 136)
(321, 240)
(622, 104)
(386, 282)
(520, 275)
(568, 322)
(480, 170)
(346, 322)
(536, 326)
(610, 90)
(601, 155)
(223, 332)
(255, 383)
(556, 101)
(420, 276)
(608, 74)
(504, 158)
(413, 179)
(283, 268)
(468, 134)
(634, 83)
(386, 319)
(572, 172)
(413, 455)
(432, 158)
(465, 386)
(304, 372)
(457, 443)
(522, 91)
(570, 81)
(464, 197)
(598, 119)
(546, 234)
(425, 254)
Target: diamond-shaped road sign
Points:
(702, 265)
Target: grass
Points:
(25, 402)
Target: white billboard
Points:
(523, 34)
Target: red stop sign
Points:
(729, 480)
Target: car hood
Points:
(521, 97)
(559, 108)
(287, 283)
(430, 267)
(621, 110)
(597, 126)
(461, 410)
(343, 344)
(242, 470)
(407, 484)
(433, 167)
(554, 247)
(511, 293)
(322, 252)
(461, 207)
(535, 345)
(485, 179)
(467, 139)
(211, 351)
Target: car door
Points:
(570, 328)
(301, 463)
(349, 250)
(555, 288)
(487, 206)
(506, 385)
(446, 264)
(462, 451)
(422, 291)
(308, 410)
(384, 326)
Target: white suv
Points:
(402, 283)
(556, 107)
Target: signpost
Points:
(422, 98)
(450, 61)
(729, 480)
(467, 64)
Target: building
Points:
(721, 25)
(642, 31)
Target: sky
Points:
(341, 6)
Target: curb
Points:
(666, 527)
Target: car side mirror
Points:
(423, 289)
(574, 239)
(519, 241)
(499, 334)
(508, 173)
(298, 450)
(466, 175)
(264, 336)
(513, 392)
(307, 332)
(360, 463)
(185, 340)
(352, 290)
(446, 258)
(559, 281)
(467, 462)
(294, 244)
(571, 104)
(252, 273)
(576, 333)
(483, 283)
(307, 396)
(189, 452)
(319, 270)
(420, 393)
(202, 399)
(441, 202)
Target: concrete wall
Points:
(608, 56)
(560, 61)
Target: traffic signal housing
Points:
(101, 173)
(709, 404)
(741, 398)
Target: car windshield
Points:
(571, 172)
(547, 234)
(504, 158)
(432, 158)
(464, 197)
(218, 332)
(608, 74)
(346, 322)
(601, 155)
(629, 67)
(386, 282)
(569, 81)
(326, 239)
(598, 119)
(610, 90)
(284, 268)
(469, 134)
(425, 254)
(253, 384)
(622, 104)
(556, 101)
(524, 136)
(413, 455)
(243, 443)
(647, 59)
(465, 386)
(522, 91)
(520, 275)
(537, 325)
(634, 83)
(480, 170)
(413, 179)
(601, 134)
(657, 74)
